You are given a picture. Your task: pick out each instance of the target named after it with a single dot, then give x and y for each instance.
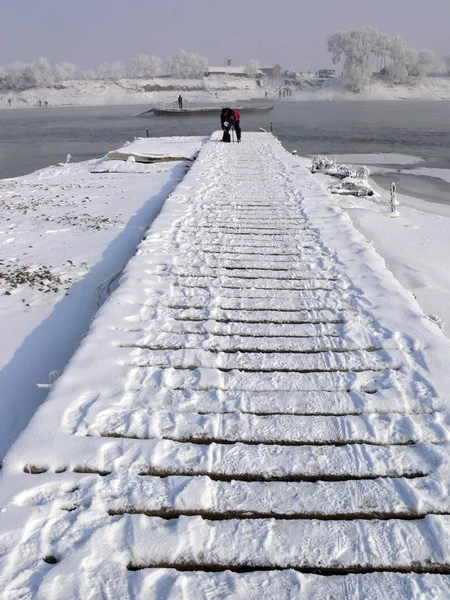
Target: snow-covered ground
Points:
(416, 246)
(259, 395)
(164, 92)
(136, 91)
(430, 88)
(66, 233)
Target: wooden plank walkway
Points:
(259, 411)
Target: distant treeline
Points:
(366, 50)
(41, 74)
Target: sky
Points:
(292, 33)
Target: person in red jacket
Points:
(230, 118)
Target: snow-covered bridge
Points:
(259, 411)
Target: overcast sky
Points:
(292, 33)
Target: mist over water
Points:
(36, 138)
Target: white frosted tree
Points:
(38, 74)
(103, 71)
(14, 76)
(447, 64)
(252, 68)
(88, 75)
(381, 51)
(64, 71)
(187, 65)
(117, 70)
(427, 63)
(113, 71)
(358, 47)
(365, 47)
(400, 59)
(146, 66)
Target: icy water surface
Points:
(35, 138)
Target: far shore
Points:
(159, 93)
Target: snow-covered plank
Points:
(142, 423)
(301, 302)
(90, 456)
(236, 343)
(253, 330)
(313, 315)
(289, 403)
(174, 496)
(244, 263)
(285, 585)
(226, 282)
(244, 252)
(340, 546)
(308, 272)
(231, 241)
(205, 379)
(289, 463)
(260, 362)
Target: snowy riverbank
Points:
(135, 91)
(429, 88)
(66, 235)
(165, 91)
(415, 245)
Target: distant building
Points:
(271, 70)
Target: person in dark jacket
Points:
(180, 102)
(230, 118)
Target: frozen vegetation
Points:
(21, 76)
(366, 50)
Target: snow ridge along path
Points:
(260, 410)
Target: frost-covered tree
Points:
(381, 51)
(88, 75)
(187, 65)
(365, 47)
(427, 63)
(113, 71)
(358, 46)
(64, 71)
(146, 66)
(252, 68)
(14, 76)
(39, 74)
(400, 59)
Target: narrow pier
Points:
(260, 410)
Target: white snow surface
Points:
(220, 88)
(158, 148)
(66, 234)
(259, 404)
(162, 91)
(378, 159)
(428, 88)
(416, 246)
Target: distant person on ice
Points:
(230, 118)
(180, 102)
